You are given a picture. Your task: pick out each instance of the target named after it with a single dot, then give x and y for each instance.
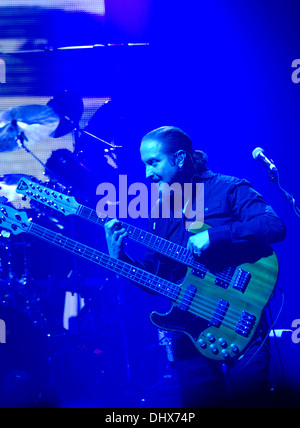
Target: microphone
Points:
(258, 154)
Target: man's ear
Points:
(180, 156)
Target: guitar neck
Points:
(68, 205)
(161, 245)
(141, 277)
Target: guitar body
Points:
(221, 312)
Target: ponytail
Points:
(199, 160)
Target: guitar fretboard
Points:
(119, 267)
(161, 245)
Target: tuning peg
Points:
(5, 233)
(3, 210)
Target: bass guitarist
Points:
(241, 228)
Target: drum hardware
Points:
(13, 285)
(23, 126)
(32, 123)
(50, 49)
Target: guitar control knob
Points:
(210, 337)
(234, 348)
(202, 343)
(225, 353)
(222, 342)
(213, 349)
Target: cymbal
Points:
(8, 189)
(36, 122)
(69, 107)
(13, 179)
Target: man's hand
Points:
(198, 243)
(115, 238)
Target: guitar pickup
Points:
(245, 324)
(220, 313)
(187, 297)
(199, 273)
(221, 283)
(241, 280)
(224, 277)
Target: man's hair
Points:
(174, 139)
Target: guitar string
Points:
(185, 257)
(197, 303)
(92, 212)
(186, 299)
(207, 311)
(184, 253)
(202, 311)
(68, 241)
(141, 273)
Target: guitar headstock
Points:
(47, 196)
(13, 220)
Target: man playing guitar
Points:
(240, 229)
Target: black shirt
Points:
(241, 224)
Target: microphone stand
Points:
(274, 178)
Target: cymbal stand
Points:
(9, 296)
(99, 139)
(26, 276)
(20, 140)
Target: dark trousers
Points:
(205, 383)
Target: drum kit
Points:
(22, 302)
(20, 129)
